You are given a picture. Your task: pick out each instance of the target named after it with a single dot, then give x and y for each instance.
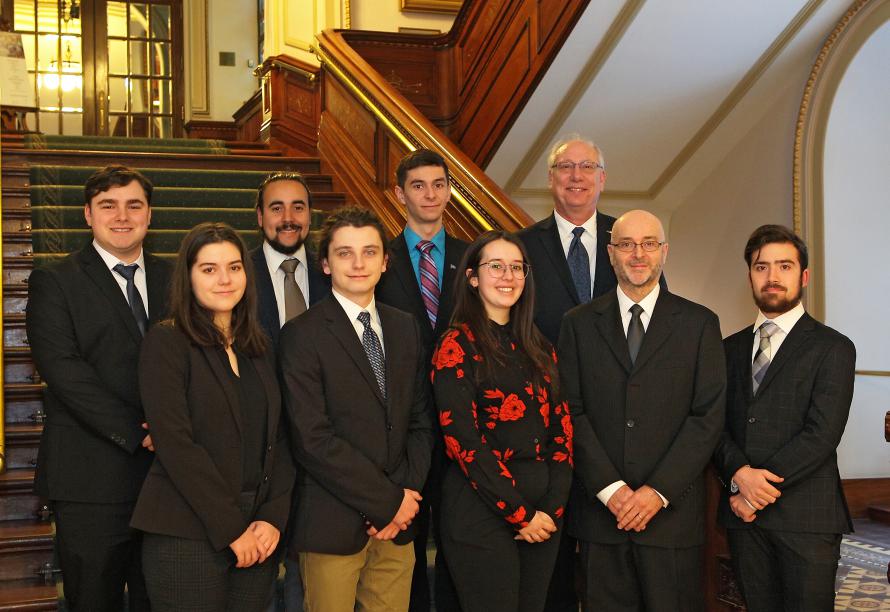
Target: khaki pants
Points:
(375, 579)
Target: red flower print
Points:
(559, 512)
(567, 427)
(466, 330)
(501, 504)
(517, 517)
(545, 414)
(512, 409)
(455, 452)
(445, 418)
(529, 389)
(449, 353)
(459, 373)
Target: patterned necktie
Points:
(133, 297)
(635, 332)
(429, 281)
(371, 344)
(764, 353)
(294, 302)
(579, 266)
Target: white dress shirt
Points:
(785, 322)
(301, 274)
(588, 239)
(624, 305)
(353, 310)
(139, 279)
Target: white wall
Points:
(857, 226)
(232, 26)
(386, 16)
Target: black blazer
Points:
(398, 287)
(555, 292)
(319, 287)
(656, 422)
(357, 451)
(192, 490)
(85, 343)
(792, 426)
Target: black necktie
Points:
(579, 266)
(133, 297)
(371, 344)
(635, 332)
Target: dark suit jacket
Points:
(357, 451)
(398, 287)
(656, 422)
(85, 343)
(319, 288)
(792, 426)
(193, 488)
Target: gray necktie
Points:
(579, 266)
(133, 297)
(294, 302)
(371, 344)
(763, 356)
(635, 332)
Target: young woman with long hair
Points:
(217, 497)
(507, 432)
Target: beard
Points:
(777, 303)
(286, 249)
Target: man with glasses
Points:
(644, 375)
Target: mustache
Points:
(284, 227)
(774, 286)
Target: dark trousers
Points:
(492, 571)
(99, 553)
(190, 576)
(428, 522)
(562, 595)
(782, 571)
(628, 577)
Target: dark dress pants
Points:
(783, 571)
(628, 577)
(99, 553)
(492, 571)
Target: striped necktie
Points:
(764, 353)
(429, 281)
(374, 351)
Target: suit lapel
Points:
(797, 339)
(452, 260)
(400, 262)
(604, 276)
(548, 235)
(660, 327)
(99, 273)
(393, 334)
(342, 329)
(156, 280)
(743, 355)
(319, 282)
(270, 384)
(225, 382)
(612, 330)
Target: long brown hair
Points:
(195, 321)
(470, 311)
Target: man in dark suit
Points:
(422, 265)
(356, 390)
(286, 271)
(789, 389)
(86, 317)
(643, 372)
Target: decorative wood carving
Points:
(291, 104)
(217, 130)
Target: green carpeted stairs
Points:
(118, 143)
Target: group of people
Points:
(539, 403)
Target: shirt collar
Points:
(648, 302)
(111, 261)
(785, 321)
(565, 226)
(274, 258)
(412, 238)
(352, 309)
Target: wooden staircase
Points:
(28, 577)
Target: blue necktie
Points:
(579, 266)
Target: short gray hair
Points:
(573, 137)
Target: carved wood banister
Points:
(366, 126)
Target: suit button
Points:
(389, 427)
(536, 441)
(630, 423)
(752, 420)
(266, 479)
(269, 449)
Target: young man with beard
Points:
(286, 273)
(643, 372)
(288, 278)
(789, 389)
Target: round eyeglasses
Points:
(497, 269)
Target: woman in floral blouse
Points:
(508, 435)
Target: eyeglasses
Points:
(497, 269)
(587, 167)
(628, 246)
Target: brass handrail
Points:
(872, 373)
(276, 63)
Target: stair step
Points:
(17, 480)
(17, 498)
(879, 514)
(28, 596)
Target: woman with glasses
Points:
(217, 496)
(507, 432)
